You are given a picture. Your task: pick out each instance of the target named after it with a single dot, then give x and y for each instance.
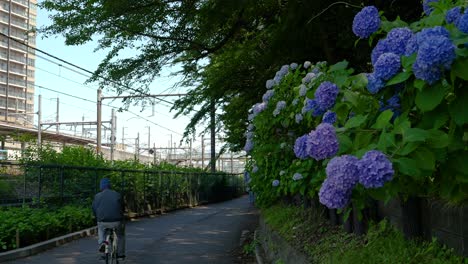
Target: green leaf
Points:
(438, 139)
(345, 143)
(408, 167)
(419, 84)
(358, 81)
(339, 66)
(459, 68)
(399, 78)
(407, 62)
(458, 108)
(461, 52)
(408, 148)
(362, 140)
(351, 97)
(356, 121)
(424, 158)
(430, 97)
(414, 135)
(386, 140)
(383, 120)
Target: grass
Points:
(311, 233)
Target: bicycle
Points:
(111, 246)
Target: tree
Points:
(227, 49)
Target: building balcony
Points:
(21, 3)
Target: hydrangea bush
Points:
(400, 129)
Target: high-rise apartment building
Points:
(17, 18)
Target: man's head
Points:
(105, 184)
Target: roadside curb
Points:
(258, 256)
(45, 245)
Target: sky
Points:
(51, 77)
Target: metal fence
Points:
(143, 190)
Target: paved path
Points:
(205, 234)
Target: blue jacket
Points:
(108, 206)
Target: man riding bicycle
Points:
(108, 210)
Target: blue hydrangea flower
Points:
(295, 101)
(378, 50)
(453, 15)
(322, 142)
(293, 66)
(366, 22)
(411, 46)
(309, 105)
(427, 8)
(250, 127)
(279, 106)
(307, 64)
(302, 90)
(248, 145)
(462, 24)
(275, 183)
(375, 169)
(325, 95)
(267, 96)
(255, 169)
(251, 117)
(300, 147)
(387, 66)
(429, 74)
(374, 84)
(332, 196)
(297, 176)
(397, 40)
(298, 118)
(343, 171)
(258, 108)
(269, 84)
(329, 117)
(434, 53)
(281, 173)
(309, 77)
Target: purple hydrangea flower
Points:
(375, 169)
(269, 84)
(279, 106)
(267, 96)
(297, 176)
(387, 66)
(300, 147)
(250, 127)
(307, 64)
(453, 15)
(343, 171)
(366, 22)
(322, 142)
(293, 66)
(251, 117)
(374, 84)
(325, 95)
(329, 117)
(249, 145)
(255, 169)
(258, 108)
(462, 24)
(427, 8)
(332, 196)
(298, 118)
(302, 90)
(275, 183)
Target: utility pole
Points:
(213, 136)
(149, 137)
(39, 116)
(154, 153)
(137, 146)
(190, 152)
(98, 129)
(203, 152)
(113, 126)
(232, 164)
(57, 116)
(82, 127)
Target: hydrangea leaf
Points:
(430, 97)
(407, 62)
(419, 84)
(459, 68)
(438, 139)
(399, 78)
(408, 167)
(338, 66)
(345, 143)
(461, 52)
(414, 135)
(386, 140)
(408, 148)
(458, 109)
(351, 97)
(424, 158)
(387, 26)
(362, 140)
(356, 121)
(383, 120)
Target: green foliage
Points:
(38, 224)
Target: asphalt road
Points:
(205, 234)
